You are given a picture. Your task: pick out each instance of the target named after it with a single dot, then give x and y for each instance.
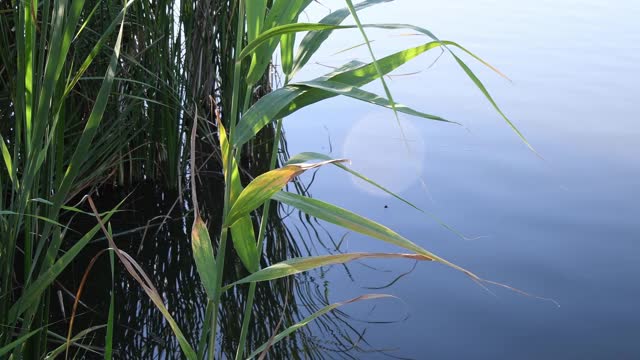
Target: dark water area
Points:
(563, 227)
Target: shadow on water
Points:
(155, 226)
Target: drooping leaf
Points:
(287, 100)
(19, 341)
(302, 264)
(362, 95)
(313, 40)
(242, 233)
(354, 222)
(313, 156)
(203, 256)
(377, 66)
(135, 270)
(32, 293)
(267, 184)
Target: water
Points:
(563, 227)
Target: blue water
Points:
(563, 225)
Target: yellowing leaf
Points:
(267, 184)
(203, 256)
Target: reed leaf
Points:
(302, 264)
(313, 40)
(31, 295)
(267, 184)
(354, 222)
(203, 256)
(282, 13)
(19, 341)
(289, 99)
(311, 156)
(362, 95)
(242, 233)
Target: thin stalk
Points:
(248, 309)
(224, 234)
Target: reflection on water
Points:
(565, 228)
(155, 227)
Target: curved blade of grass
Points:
(486, 94)
(310, 156)
(108, 340)
(362, 95)
(203, 256)
(387, 91)
(281, 13)
(8, 163)
(276, 32)
(298, 27)
(32, 294)
(264, 112)
(354, 222)
(19, 341)
(287, 43)
(288, 331)
(74, 341)
(242, 232)
(96, 49)
(136, 271)
(302, 264)
(285, 101)
(313, 40)
(267, 184)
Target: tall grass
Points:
(97, 92)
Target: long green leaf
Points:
(242, 233)
(31, 294)
(354, 222)
(255, 18)
(285, 101)
(313, 40)
(302, 264)
(299, 27)
(387, 91)
(281, 13)
(8, 163)
(14, 344)
(362, 95)
(287, 43)
(312, 156)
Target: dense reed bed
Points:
(110, 93)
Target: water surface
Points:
(562, 226)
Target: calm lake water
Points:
(563, 227)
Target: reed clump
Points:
(110, 92)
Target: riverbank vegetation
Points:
(97, 94)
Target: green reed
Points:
(97, 92)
